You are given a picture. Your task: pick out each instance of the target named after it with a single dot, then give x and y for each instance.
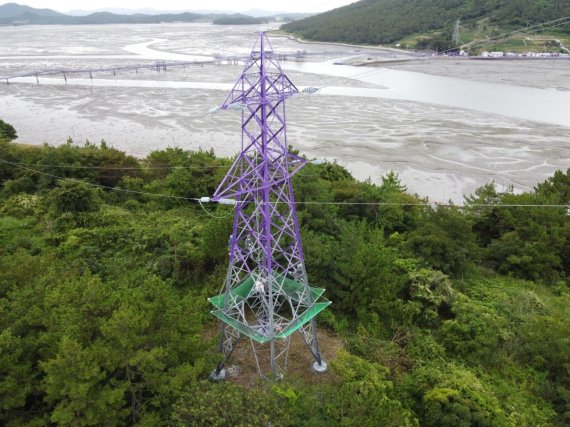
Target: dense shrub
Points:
(446, 317)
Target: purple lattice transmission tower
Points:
(266, 297)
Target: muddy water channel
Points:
(444, 132)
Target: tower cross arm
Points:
(261, 71)
(244, 175)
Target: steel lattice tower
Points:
(455, 37)
(266, 296)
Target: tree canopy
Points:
(444, 316)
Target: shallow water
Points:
(548, 106)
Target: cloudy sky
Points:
(239, 5)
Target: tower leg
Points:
(309, 334)
(229, 339)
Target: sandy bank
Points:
(541, 74)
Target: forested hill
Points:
(441, 316)
(386, 21)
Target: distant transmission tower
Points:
(267, 296)
(455, 38)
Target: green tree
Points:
(15, 372)
(428, 297)
(75, 384)
(7, 131)
(444, 240)
(74, 197)
(556, 189)
(364, 396)
(528, 241)
(225, 404)
(449, 395)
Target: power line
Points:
(537, 27)
(377, 204)
(497, 41)
(534, 28)
(142, 167)
(107, 187)
(438, 204)
(501, 37)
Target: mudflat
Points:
(369, 119)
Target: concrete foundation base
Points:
(322, 368)
(218, 376)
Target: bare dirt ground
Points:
(241, 367)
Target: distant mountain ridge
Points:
(14, 10)
(255, 13)
(386, 21)
(144, 11)
(16, 14)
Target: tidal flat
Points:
(446, 126)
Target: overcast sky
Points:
(235, 5)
